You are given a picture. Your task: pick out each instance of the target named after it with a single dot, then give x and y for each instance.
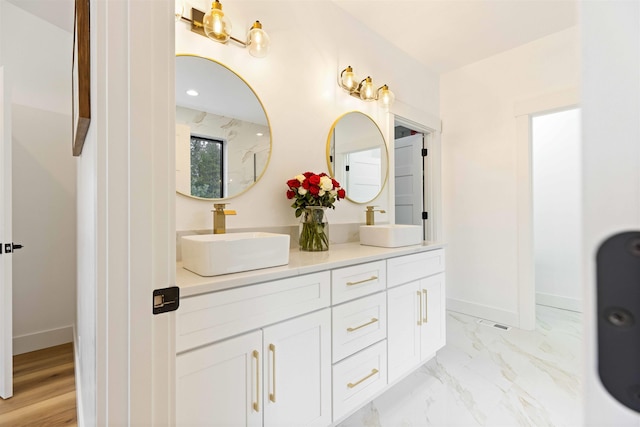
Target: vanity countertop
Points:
(338, 255)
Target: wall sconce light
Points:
(216, 26)
(365, 89)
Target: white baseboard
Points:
(43, 339)
(565, 303)
(495, 314)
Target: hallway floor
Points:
(485, 376)
(44, 391)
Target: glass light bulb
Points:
(367, 91)
(216, 26)
(385, 97)
(258, 41)
(348, 79)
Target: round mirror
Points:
(223, 136)
(357, 156)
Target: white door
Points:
(221, 384)
(408, 179)
(297, 366)
(432, 336)
(364, 175)
(611, 173)
(6, 332)
(404, 321)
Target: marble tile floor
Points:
(485, 376)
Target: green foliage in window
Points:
(206, 168)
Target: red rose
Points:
(335, 183)
(291, 194)
(305, 184)
(293, 183)
(314, 190)
(314, 179)
(322, 174)
(341, 194)
(307, 174)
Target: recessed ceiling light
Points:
(259, 134)
(192, 92)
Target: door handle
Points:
(10, 247)
(617, 282)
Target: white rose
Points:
(300, 178)
(321, 193)
(333, 192)
(325, 183)
(302, 191)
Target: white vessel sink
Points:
(390, 235)
(215, 254)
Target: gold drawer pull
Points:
(420, 312)
(373, 320)
(362, 281)
(373, 372)
(425, 319)
(256, 404)
(272, 396)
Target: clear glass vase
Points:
(314, 229)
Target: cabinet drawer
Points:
(207, 318)
(358, 324)
(358, 280)
(408, 268)
(358, 378)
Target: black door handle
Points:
(17, 246)
(618, 292)
(9, 247)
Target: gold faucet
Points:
(370, 214)
(219, 215)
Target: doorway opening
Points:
(557, 243)
(411, 169)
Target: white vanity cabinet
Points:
(415, 311)
(306, 348)
(277, 375)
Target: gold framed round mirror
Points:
(357, 156)
(223, 134)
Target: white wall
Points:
(479, 167)
(44, 174)
(311, 42)
(557, 228)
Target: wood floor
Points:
(44, 392)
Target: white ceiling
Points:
(448, 34)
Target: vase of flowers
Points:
(313, 194)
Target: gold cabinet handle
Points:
(373, 372)
(373, 320)
(425, 319)
(272, 395)
(420, 312)
(256, 404)
(362, 281)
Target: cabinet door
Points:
(433, 316)
(404, 320)
(297, 386)
(220, 384)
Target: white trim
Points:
(568, 98)
(557, 301)
(43, 339)
(76, 374)
(482, 311)
(523, 110)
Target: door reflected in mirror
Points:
(357, 156)
(223, 136)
